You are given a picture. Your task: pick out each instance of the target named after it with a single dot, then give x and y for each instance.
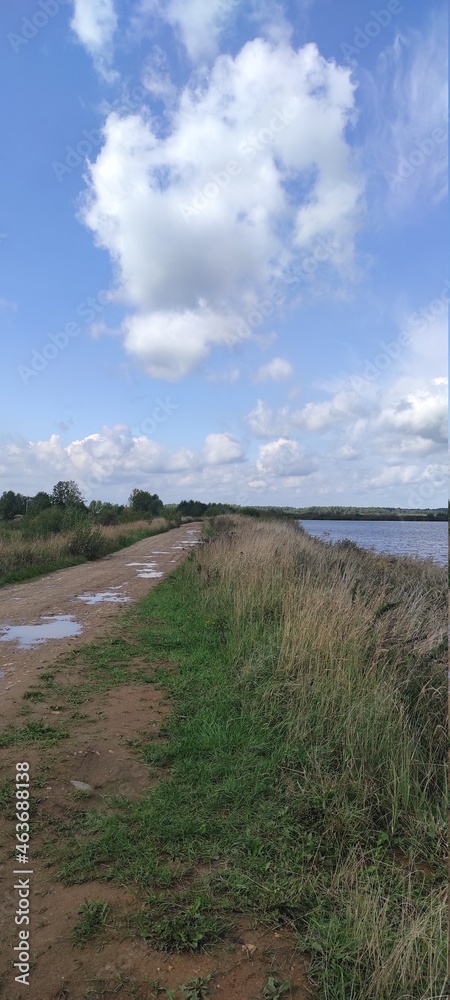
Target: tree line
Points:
(65, 504)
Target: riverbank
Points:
(296, 779)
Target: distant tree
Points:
(250, 511)
(11, 504)
(38, 503)
(67, 494)
(95, 507)
(170, 510)
(108, 514)
(145, 504)
(192, 508)
(215, 509)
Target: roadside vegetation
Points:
(304, 763)
(52, 531)
(30, 551)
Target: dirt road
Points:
(96, 759)
(43, 618)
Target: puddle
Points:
(105, 597)
(147, 570)
(148, 565)
(53, 627)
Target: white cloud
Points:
(346, 453)
(156, 77)
(203, 27)
(228, 375)
(114, 455)
(394, 475)
(220, 449)
(204, 220)
(285, 457)
(199, 24)
(170, 344)
(95, 23)
(8, 304)
(264, 423)
(420, 416)
(277, 369)
(344, 406)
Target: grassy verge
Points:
(307, 759)
(25, 559)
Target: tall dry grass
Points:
(347, 649)
(22, 557)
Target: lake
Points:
(425, 539)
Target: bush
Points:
(87, 541)
(108, 514)
(48, 522)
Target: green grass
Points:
(274, 990)
(26, 573)
(31, 732)
(93, 917)
(23, 559)
(194, 989)
(306, 755)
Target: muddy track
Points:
(61, 603)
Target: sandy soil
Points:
(98, 755)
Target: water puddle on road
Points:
(147, 570)
(52, 627)
(106, 597)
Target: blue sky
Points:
(223, 250)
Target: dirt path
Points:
(125, 576)
(96, 761)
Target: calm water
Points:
(425, 539)
(52, 627)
